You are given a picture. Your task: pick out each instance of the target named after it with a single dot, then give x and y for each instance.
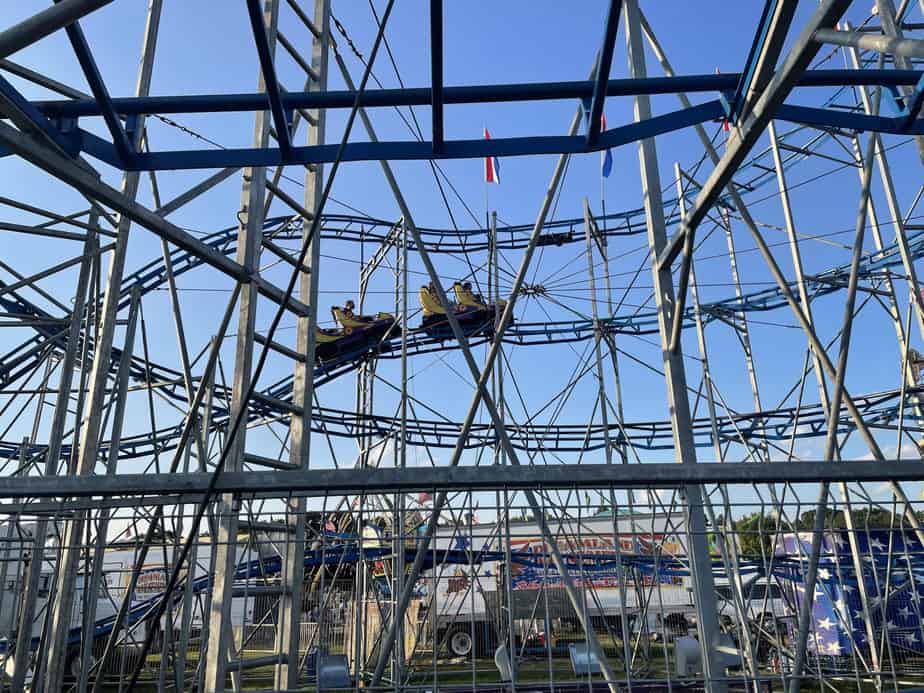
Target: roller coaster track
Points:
(880, 411)
(26, 356)
(270, 404)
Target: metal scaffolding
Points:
(659, 448)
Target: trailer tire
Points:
(72, 668)
(459, 642)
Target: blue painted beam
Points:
(36, 118)
(914, 103)
(824, 117)
(413, 150)
(270, 81)
(100, 93)
(604, 62)
(768, 44)
(436, 72)
(471, 149)
(491, 93)
(750, 65)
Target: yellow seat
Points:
(465, 296)
(347, 318)
(429, 302)
(326, 336)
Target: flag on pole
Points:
(491, 165)
(606, 156)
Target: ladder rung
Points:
(255, 662)
(278, 404)
(279, 348)
(260, 590)
(281, 253)
(275, 294)
(262, 461)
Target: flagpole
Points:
(484, 177)
(487, 206)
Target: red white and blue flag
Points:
(606, 156)
(491, 165)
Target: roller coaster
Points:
(741, 305)
(361, 338)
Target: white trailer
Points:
(471, 600)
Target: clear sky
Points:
(206, 47)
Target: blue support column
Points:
(913, 105)
(604, 61)
(436, 72)
(753, 55)
(765, 50)
(100, 93)
(36, 118)
(485, 93)
(273, 92)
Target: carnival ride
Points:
(577, 349)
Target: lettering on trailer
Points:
(584, 571)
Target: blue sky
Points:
(206, 47)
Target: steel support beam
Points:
(367, 481)
(250, 232)
(94, 573)
(436, 73)
(44, 23)
(66, 577)
(273, 90)
(28, 118)
(765, 51)
(892, 27)
(891, 45)
(293, 575)
(604, 63)
(745, 136)
(52, 460)
(832, 446)
(490, 93)
(674, 373)
(120, 140)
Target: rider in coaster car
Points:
(429, 301)
(346, 313)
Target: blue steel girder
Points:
(406, 150)
(31, 117)
(604, 63)
(120, 142)
(488, 93)
(480, 148)
(270, 80)
(765, 49)
(504, 147)
(436, 73)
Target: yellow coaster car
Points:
(349, 320)
(357, 334)
(474, 315)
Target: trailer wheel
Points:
(459, 641)
(73, 663)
